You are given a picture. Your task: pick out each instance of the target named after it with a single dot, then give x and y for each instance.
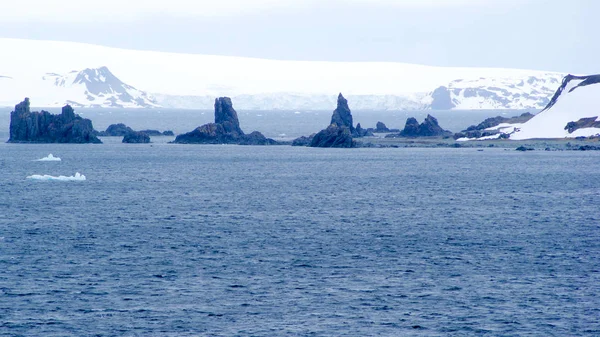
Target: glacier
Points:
(86, 75)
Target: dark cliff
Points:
(44, 127)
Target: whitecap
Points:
(50, 157)
(45, 177)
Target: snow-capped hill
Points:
(572, 112)
(521, 92)
(99, 87)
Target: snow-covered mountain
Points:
(520, 92)
(86, 88)
(572, 112)
(100, 89)
(193, 81)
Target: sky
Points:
(547, 35)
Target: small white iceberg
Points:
(50, 157)
(76, 177)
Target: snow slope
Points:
(184, 80)
(516, 92)
(578, 97)
(86, 88)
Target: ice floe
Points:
(77, 177)
(50, 157)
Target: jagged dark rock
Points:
(168, 133)
(583, 123)
(116, 130)
(340, 131)
(342, 116)
(303, 141)
(136, 137)
(380, 127)
(359, 132)
(429, 128)
(225, 130)
(479, 130)
(44, 127)
(333, 136)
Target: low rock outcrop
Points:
(44, 127)
(479, 130)
(225, 130)
(590, 122)
(429, 128)
(359, 132)
(116, 130)
(333, 136)
(136, 137)
(303, 141)
(156, 133)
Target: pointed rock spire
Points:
(342, 116)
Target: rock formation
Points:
(342, 116)
(340, 131)
(44, 127)
(225, 130)
(157, 133)
(429, 128)
(479, 130)
(359, 132)
(333, 136)
(380, 127)
(303, 141)
(590, 122)
(136, 137)
(116, 130)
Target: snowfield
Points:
(53, 73)
(573, 101)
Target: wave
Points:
(76, 177)
(50, 157)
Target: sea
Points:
(223, 240)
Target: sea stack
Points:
(429, 128)
(225, 130)
(340, 131)
(44, 127)
(342, 116)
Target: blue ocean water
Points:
(184, 240)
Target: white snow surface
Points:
(46, 71)
(583, 102)
(50, 157)
(45, 177)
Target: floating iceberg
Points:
(50, 157)
(76, 177)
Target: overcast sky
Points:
(529, 34)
